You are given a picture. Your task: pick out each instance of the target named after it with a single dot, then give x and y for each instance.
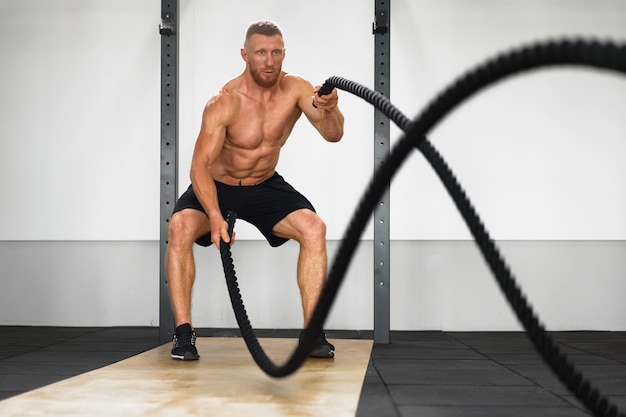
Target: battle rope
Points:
(573, 52)
(594, 54)
(252, 342)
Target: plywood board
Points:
(224, 382)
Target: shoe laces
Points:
(185, 340)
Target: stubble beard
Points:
(264, 82)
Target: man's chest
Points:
(267, 124)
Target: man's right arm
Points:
(215, 120)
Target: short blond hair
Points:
(262, 27)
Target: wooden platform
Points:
(224, 382)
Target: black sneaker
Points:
(321, 348)
(184, 348)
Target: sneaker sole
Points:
(186, 357)
(322, 353)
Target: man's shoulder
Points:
(227, 96)
(223, 106)
(295, 80)
(296, 86)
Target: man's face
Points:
(264, 55)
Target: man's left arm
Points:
(324, 114)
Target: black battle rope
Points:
(252, 342)
(578, 52)
(572, 52)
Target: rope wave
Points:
(580, 52)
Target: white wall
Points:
(435, 285)
(539, 156)
(80, 112)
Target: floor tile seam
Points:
(434, 359)
(79, 359)
(529, 379)
(418, 384)
(115, 349)
(508, 366)
(463, 343)
(504, 365)
(588, 352)
(69, 338)
(562, 399)
(490, 406)
(605, 357)
(385, 385)
(569, 394)
(576, 368)
(586, 367)
(484, 355)
(48, 374)
(8, 358)
(570, 398)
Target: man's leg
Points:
(308, 229)
(184, 228)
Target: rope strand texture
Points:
(565, 52)
(605, 56)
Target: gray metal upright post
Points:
(381, 150)
(169, 149)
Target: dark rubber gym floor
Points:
(421, 374)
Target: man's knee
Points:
(304, 226)
(184, 227)
(313, 228)
(318, 229)
(176, 230)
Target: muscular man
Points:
(233, 169)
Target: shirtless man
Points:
(233, 169)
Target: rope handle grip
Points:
(325, 89)
(231, 216)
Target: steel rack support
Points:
(169, 150)
(382, 50)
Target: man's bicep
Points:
(212, 130)
(209, 144)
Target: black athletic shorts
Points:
(262, 205)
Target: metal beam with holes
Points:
(169, 150)
(382, 62)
